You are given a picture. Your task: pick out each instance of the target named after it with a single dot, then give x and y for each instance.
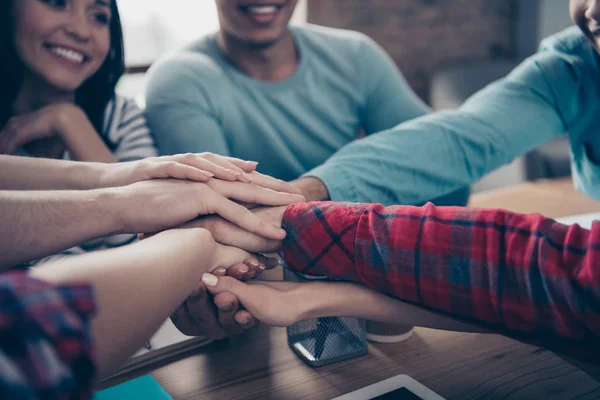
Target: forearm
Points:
(340, 299)
(36, 224)
(137, 287)
(23, 173)
(82, 141)
(474, 264)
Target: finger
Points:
(245, 219)
(278, 185)
(246, 270)
(237, 271)
(220, 170)
(204, 315)
(246, 166)
(227, 306)
(225, 163)
(216, 285)
(270, 261)
(176, 170)
(251, 193)
(227, 233)
(254, 269)
(245, 319)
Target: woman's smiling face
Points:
(63, 42)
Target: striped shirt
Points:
(526, 276)
(128, 137)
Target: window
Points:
(155, 27)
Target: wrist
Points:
(313, 189)
(86, 175)
(310, 301)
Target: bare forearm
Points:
(82, 140)
(137, 287)
(351, 300)
(36, 224)
(23, 173)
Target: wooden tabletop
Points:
(259, 364)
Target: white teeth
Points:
(68, 54)
(262, 9)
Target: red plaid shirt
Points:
(523, 275)
(46, 349)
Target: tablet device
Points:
(401, 387)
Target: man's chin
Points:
(261, 44)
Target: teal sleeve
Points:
(438, 153)
(389, 100)
(180, 110)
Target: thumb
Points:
(216, 285)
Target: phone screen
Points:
(398, 394)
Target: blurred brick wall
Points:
(423, 36)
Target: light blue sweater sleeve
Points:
(436, 154)
(181, 106)
(388, 97)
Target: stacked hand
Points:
(217, 314)
(152, 205)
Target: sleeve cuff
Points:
(586, 173)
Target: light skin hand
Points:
(312, 188)
(231, 235)
(196, 167)
(26, 128)
(274, 303)
(285, 303)
(155, 205)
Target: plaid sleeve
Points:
(45, 344)
(511, 272)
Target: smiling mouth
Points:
(67, 54)
(261, 9)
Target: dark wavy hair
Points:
(92, 96)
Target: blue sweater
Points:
(555, 91)
(344, 85)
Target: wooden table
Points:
(259, 365)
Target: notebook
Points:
(143, 388)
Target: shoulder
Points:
(121, 109)
(198, 63)
(334, 40)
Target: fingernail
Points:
(242, 271)
(255, 163)
(226, 307)
(282, 232)
(262, 267)
(210, 280)
(209, 174)
(254, 264)
(233, 172)
(220, 272)
(246, 319)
